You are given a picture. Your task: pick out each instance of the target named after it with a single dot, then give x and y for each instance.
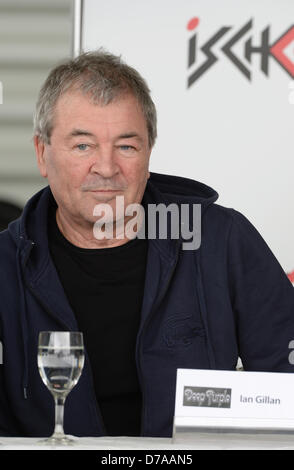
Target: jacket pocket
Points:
(181, 332)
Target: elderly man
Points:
(146, 306)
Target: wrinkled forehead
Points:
(75, 108)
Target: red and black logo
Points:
(291, 277)
(281, 50)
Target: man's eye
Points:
(127, 147)
(82, 146)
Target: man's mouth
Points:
(104, 190)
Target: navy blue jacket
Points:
(201, 309)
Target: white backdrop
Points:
(230, 132)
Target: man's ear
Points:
(40, 154)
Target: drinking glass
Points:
(60, 363)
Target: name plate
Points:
(233, 401)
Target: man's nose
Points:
(104, 163)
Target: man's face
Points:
(95, 154)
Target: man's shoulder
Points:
(237, 220)
(220, 214)
(229, 225)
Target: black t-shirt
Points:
(105, 290)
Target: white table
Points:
(204, 441)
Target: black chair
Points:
(8, 212)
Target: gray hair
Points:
(102, 76)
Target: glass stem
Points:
(59, 410)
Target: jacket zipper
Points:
(140, 352)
